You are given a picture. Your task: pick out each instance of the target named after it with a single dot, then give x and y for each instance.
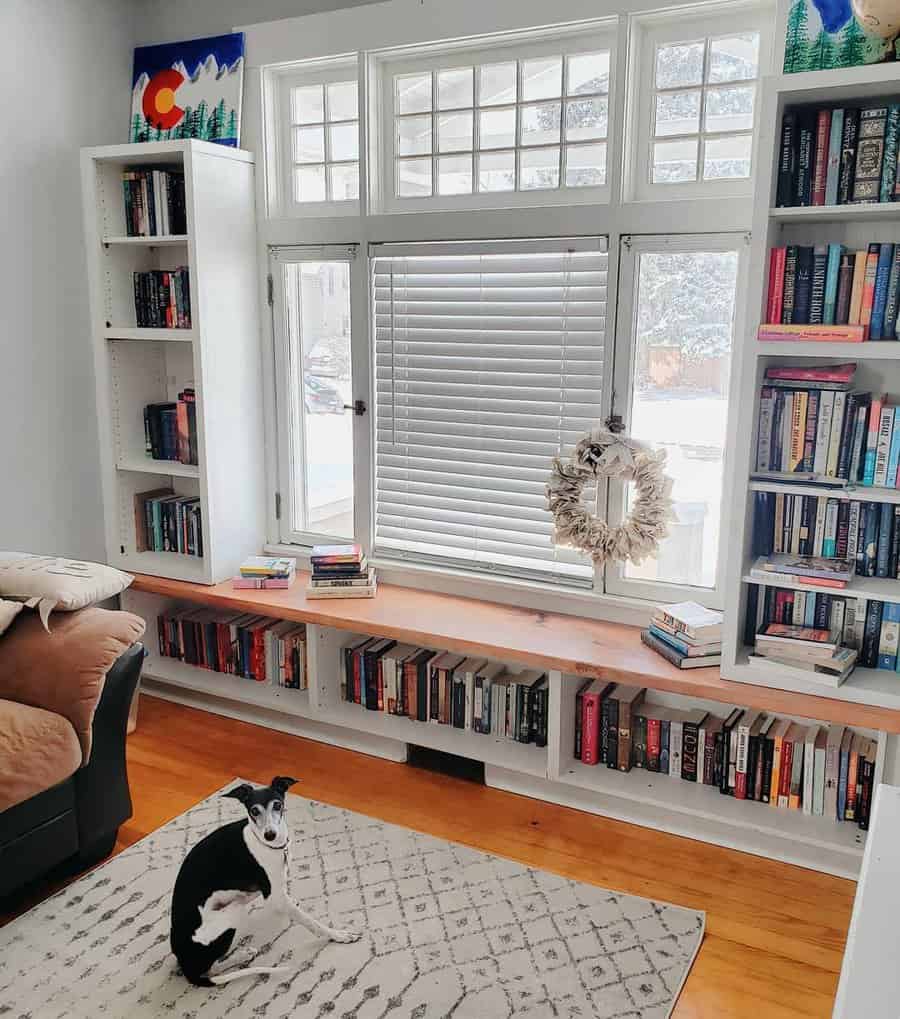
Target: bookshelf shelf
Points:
(131, 333)
(879, 211)
(148, 242)
(856, 493)
(880, 588)
(873, 351)
(171, 468)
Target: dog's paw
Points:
(344, 937)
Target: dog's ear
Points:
(281, 784)
(241, 792)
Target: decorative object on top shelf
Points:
(188, 89)
(605, 453)
(830, 34)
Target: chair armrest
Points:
(64, 670)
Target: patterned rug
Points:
(448, 931)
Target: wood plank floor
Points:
(774, 934)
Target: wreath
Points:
(605, 454)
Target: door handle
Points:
(358, 407)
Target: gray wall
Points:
(68, 62)
(168, 20)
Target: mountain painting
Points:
(188, 89)
(827, 34)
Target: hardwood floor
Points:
(774, 935)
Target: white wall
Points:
(168, 20)
(66, 83)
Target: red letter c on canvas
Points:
(159, 99)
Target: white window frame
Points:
(623, 382)
(284, 377)
(280, 163)
(601, 35)
(650, 31)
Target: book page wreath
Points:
(604, 454)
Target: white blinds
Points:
(489, 362)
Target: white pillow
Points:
(8, 612)
(50, 582)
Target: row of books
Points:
(814, 430)
(170, 429)
(162, 298)
(265, 573)
(838, 156)
(166, 522)
(811, 653)
(447, 689)
(750, 755)
(686, 634)
(340, 571)
(154, 202)
(867, 534)
(848, 296)
(252, 647)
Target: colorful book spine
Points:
(879, 301)
(889, 160)
(835, 138)
(822, 148)
(775, 301)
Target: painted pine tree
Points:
(796, 42)
(200, 125)
(136, 128)
(231, 131)
(851, 49)
(823, 53)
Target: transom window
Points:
(325, 141)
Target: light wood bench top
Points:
(547, 640)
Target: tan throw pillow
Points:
(50, 582)
(8, 612)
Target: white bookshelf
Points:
(219, 355)
(878, 365)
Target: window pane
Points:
(309, 144)
(585, 165)
(343, 103)
(455, 88)
(542, 79)
(344, 182)
(308, 104)
(727, 158)
(735, 58)
(318, 296)
(497, 129)
(540, 124)
(497, 171)
(344, 141)
(497, 84)
(455, 175)
(677, 113)
(586, 118)
(413, 93)
(730, 109)
(679, 65)
(682, 359)
(587, 72)
(413, 135)
(455, 132)
(309, 183)
(538, 168)
(413, 178)
(674, 161)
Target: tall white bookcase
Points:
(219, 355)
(878, 362)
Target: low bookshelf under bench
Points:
(568, 649)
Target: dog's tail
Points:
(251, 971)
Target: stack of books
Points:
(784, 647)
(827, 771)
(265, 573)
(687, 635)
(162, 298)
(810, 571)
(447, 689)
(154, 202)
(340, 571)
(167, 522)
(170, 429)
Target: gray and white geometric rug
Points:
(447, 932)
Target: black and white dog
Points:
(223, 874)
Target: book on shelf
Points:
(833, 572)
(839, 296)
(165, 521)
(340, 571)
(154, 202)
(265, 573)
(240, 644)
(162, 298)
(695, 621)
(170, 429)
(686, 634)
(679, 658)
(838, 156)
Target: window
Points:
(697, 118)
(314, 380)
(489, 362)
(499, 126)
(676, 317)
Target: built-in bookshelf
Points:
(209, 345)
(855, 226)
